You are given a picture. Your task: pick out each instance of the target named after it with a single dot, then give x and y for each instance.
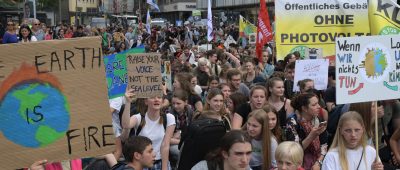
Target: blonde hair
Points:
(338, 141)
(291, 151)
(262, 117)
(202, 61)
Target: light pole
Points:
(59, 10)
(76, 12)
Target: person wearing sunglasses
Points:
(10, 36)
(37, 30)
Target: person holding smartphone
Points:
(306, 128)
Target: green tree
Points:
(10, 3)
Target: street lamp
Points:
(76, 12)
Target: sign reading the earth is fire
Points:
(53, 102)
(367, 69)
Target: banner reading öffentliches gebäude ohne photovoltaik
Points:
(316, 24)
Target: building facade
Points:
(81, 11)
(176, 10)
(228, 11)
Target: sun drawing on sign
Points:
(33, 110)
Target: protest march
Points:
(308, 85)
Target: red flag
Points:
(264, 31)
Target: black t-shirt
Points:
(330, 95)
(128, 168)
(244, 111)
(193, 99)
(169, 35)
(288, 84)
(202, 77)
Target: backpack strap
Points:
(121, 111)
(142, 123)
(164, 116)
(119, 166)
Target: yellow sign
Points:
(316, 24)
(245, 27)
(383, 17)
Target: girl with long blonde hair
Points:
(349, 149)
(263, 145)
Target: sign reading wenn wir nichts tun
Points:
(367, 69)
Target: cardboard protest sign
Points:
(144, 74)
(252, 38)
(316, 24)
(383, 17)
(315, 69)
(166, 74)
(229, 40)
(53, 102)
(205, 47)
(367, 69)
(117, 73)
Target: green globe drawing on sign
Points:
(34, 114)
(375, 63)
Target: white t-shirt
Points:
(33, 39)
(332, 162)
(198, 90)
(116, 104)
(154, 131)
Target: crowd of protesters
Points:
(265, 124)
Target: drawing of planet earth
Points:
(34, 114)
(375, 62)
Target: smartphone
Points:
(324, 123)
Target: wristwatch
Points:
(320, 163)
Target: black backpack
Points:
(121, 166)
(203, 135)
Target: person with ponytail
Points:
(152, 127)
(306, 128)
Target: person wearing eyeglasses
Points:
(10, 36)
(37, 30)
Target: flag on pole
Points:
(209, 22)
(153, 4)
(245, 27)
(148, 21)
(264, 31)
